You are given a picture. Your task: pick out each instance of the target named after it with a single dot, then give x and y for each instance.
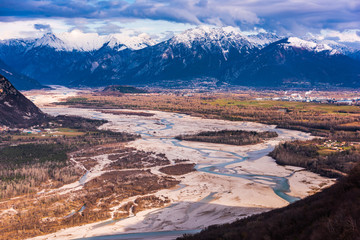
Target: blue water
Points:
(208, 198)
(143, 235)
(280, 185)
(83, 178)
(73, 212)
(180, 186)
(112, 221)
(82, 209)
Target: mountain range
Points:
(204, 54)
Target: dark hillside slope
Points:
(331, 214)
(15, 109)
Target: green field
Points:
(300, 106)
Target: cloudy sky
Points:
(337, 19)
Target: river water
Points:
(164, 126)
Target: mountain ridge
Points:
(223, 55)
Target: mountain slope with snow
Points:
(293, 63)
(202, 54)
(195, 53)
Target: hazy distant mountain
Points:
(15, 109)
(221, 55)
(355, 55)
(340, 48)
(19, 80)
(49, 58)
(293, 62)
(261, 40)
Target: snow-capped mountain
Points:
(51, 57)
(339, 47)
(262, 39)
(195, 53)
(50, 40)
(292, 62)
(78, 41)
(224, 54)
(308, 45)
(140, 41)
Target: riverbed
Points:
(231, 182)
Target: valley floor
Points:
(231, 182)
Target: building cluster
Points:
(297, 97)
(4, 128)
(33, 130)
(334, 145)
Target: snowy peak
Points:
(17, 42)
(263, 39)
(213, 38)
(341, 48)
(50, 40)
(78, 41)
(308, 45)
(121, 42)
(224, 37)
(207, 34)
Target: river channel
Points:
(159, 131)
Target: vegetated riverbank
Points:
(325, 157)
(29, 161)
(331, 214)
(233, 137)
(254, 179)
(120, 89)
(178, 169)
(104, 192)
(340, 123)
(227, 184)
(43, 169)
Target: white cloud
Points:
(350, 35)
(26, 29)
(158, 29)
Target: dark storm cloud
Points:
(42, 27)
(295, 15)
(108, 28)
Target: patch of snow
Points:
(8, 104)
(6, 71)
(210, 38)
(94, 66)
(134, 42)
(51, 40)
(79, 41)
(263, 39)
(299, 43)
